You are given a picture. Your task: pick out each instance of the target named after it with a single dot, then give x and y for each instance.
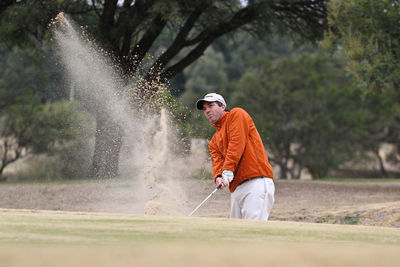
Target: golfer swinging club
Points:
(239, 159)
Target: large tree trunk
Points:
(107, 148)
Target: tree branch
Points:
(95, 9)
(178, 43)
(144, 45)
(208, 36)
(308, 18)
(107, 18)
(230, 25)
(130, 20)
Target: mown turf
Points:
(49, 238)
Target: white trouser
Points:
(253, 199)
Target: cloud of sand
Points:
(147, 159)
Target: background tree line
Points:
(315, 108)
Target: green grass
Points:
(92, 239)
(86, 228)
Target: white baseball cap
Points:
(211, 97)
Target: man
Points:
(239, 160)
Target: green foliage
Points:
(178, 113)
(305, 111)
(163, 99)
(71, 160)
(208, 74)
(27, 82)
(25, 23)
(39, 168)
(29, 69)
(368, 32)
(16, 75)
(351, 219)
(61, 130)
(43, 126)
(228, 59)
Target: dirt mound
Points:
(332, 202)
(382, 214)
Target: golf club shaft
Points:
(212, 193)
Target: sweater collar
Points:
(218, 124)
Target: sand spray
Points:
(147, 159)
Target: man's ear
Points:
(223, 107)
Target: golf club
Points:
(212, 193)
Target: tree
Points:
(24, 84)
(305, 110)
(129, 30)
(29, 126)
(369, 34)
(380, 125)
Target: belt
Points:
(251, 179)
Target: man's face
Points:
(213, 111)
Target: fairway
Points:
(55, 238)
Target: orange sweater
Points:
(236, 146)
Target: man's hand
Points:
(225, 180)
(221, 182)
